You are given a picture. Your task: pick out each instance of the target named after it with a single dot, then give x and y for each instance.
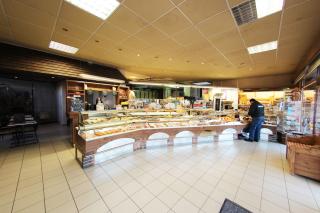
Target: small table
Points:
(22, 133)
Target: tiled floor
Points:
(46, 178)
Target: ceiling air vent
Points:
(245, 12)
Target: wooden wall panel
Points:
(27, 60)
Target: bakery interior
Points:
(123, 106)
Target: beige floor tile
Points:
(29, 190)
(296, 207)
(55, 189)
(81, 188)
(156, 187)
(28, 201)
(155, 206)
(6, 208)
(127, 206)
(184, 206)
(180, 187)
(58, 200)
(248, 197)
(67, 207)
(34, 208)
(107, 188)
(219, 196)
(278, 200)
(267, 206)
(196, 197)
(96, 207)
(169, 197)
(142, 197)
(145, 179)
(167, 179)
(211, 206)
(132, 187)
(87, 198)
(114, 198)
(204, 187)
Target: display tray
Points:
(91, 136)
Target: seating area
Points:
(303, 154)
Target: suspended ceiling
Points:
(168, 39)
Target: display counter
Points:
(98, 128)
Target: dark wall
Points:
(34, 97)
(18, 59)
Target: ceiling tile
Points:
(177, 2)
(189, 36)
(290, 3)
(32, 35)
(68, 40)
(98, 41)
(168, 45)
(215, 24)
(69, 29)
(3, 19)
(198, 10)
(303, 11)
(228, 41)
(149, 9)
(151, 35)
(112, 32)
(79, 17)
(240, 58)
(135, 44)
(5, 34)
(262, 30)
(265, 58)
(233, 3)
(26, 13)
(172, 22)
(126, 20)
(49, 6)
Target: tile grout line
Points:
(15, 194)
(44, 195)
(73, 198)
(264, 173)
(285, 182)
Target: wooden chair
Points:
(303, 154)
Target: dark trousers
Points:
(255, 128)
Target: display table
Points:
(89, 147)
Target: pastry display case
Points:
(94, 125)
(98, 128)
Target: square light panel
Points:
(63, 47)
(100, 8)
(268, 7)
(263, 47)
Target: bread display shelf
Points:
(140, 125)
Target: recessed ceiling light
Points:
(170, 59)
(267, 7)
(63, 47)
(53, 77)
(202, 62)
(263, 47)
(15, 77)
(138, 54)
(100, 8)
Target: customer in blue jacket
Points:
(256, 111)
